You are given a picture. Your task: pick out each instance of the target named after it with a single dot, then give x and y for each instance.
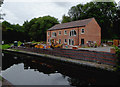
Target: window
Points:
(59, 41)
(65, 40)
(48, 33)
(82, 31)
(71, 42)
(48, 40)
(72, 33)
(59, 32)
(54, 34)
(65, 32)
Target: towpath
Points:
(79, 62)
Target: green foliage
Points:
(33, 41)
(12, 32)
(19, 43)
(118, 57)
(0, 78)
(65, 19)
(5, 46)
(37, 27)
(117, 50)
(106, 14)
(96, 45)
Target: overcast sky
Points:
(17, 11)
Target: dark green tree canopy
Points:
(1, 2)
(65, 19)
(37, 27)
(104, 13)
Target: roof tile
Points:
(71, 24)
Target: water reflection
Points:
(42, 71)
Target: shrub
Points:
(117, 50)
(33, 41)
(19, 43)
(5, 46)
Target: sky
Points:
(18, 11)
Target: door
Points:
(82, 41)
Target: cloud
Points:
(62, 4)
(11, 16)
(17, 11)
(44, 0)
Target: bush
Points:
(117, 50)
(5, 46)
(33, 41)
(19, 43)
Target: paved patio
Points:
(103, 49)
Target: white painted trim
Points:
(81, 31)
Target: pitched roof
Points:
(71, 24)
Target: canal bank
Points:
(6, 83)
(36, 70)
(69, 60)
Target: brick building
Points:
(75, 33)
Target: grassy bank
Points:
(0, 78)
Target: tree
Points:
(37, 27)
(116, 25)
(12, 32)
(103, 12)
(1, 2)
(65, 19)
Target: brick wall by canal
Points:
(92, 56)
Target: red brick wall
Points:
(92, 33)
(63, 36)
(85, 55)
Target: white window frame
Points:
(59, 41)
(59, 32)
(82, 32)
(72, 33)
(65, 32)
(48, 33)
(64, 40)
(53, 34)
(70, 42)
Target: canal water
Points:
(21, 69)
